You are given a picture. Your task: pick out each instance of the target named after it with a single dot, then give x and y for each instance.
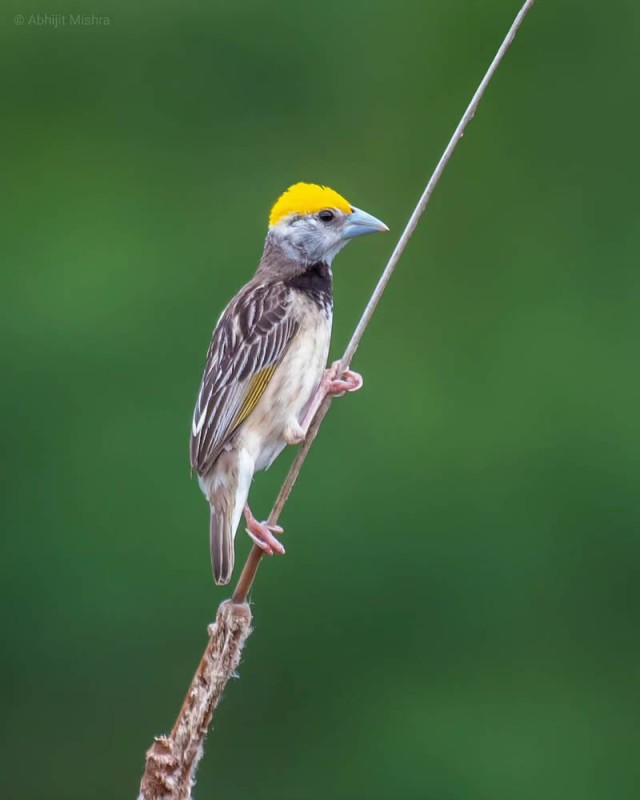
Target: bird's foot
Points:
(262, 534)
(337, 384)
(332, 383)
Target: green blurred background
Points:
(457, 615)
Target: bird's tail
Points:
(221, 543)
(227, 489)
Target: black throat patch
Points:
(315, 282)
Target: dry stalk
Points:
(172, 760)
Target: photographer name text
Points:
(62, 20)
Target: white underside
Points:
(261, 437)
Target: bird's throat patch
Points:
(316, 284)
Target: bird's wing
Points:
(248, 343)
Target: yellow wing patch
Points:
(306, 198)
(258, 384)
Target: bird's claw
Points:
(330, 384)
(262, 534)
(348, 381)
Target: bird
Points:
(264, 376)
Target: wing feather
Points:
(248, 343)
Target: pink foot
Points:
(330, 384)
(348, 381)
(262, 534)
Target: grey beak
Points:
(359, 223)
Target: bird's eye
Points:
(326, 215)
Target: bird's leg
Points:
(330, 384)
(262, 534)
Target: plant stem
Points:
(252, 563)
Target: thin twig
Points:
(251, 566)
(172, 760)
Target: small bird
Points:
(265, 376)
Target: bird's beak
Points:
(359, 223)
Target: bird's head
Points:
(312, 223)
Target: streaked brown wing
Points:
(248, 343)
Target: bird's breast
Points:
(291, 387)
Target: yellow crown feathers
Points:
(306, 198)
